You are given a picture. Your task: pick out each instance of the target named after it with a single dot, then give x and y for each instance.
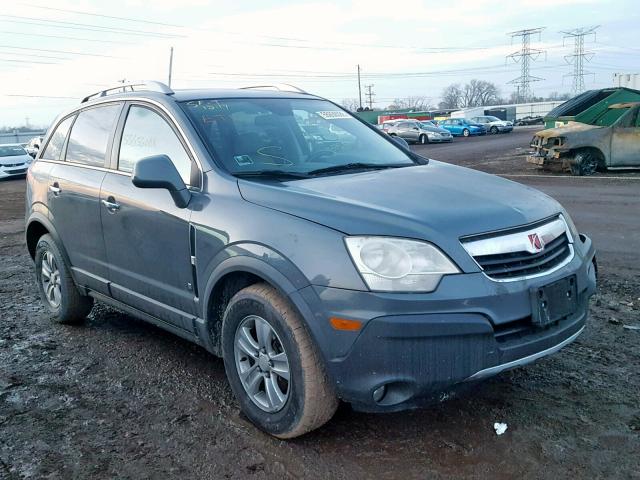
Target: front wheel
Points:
(465, 132)
(57, 289)
(274, 368)
(493, 130)
(423, 140)
(584, 163)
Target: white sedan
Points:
(14, 160)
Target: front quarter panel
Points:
(235, 235)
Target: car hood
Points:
(15, 159)
(436, 202)
(568, 128)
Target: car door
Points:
(147, 237)
(456, 127)
(404, 131)
(74, 189)
(625, 140)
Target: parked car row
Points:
(431, 131)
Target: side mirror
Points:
(158, 171)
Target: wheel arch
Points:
(37, 226)
(229, 277)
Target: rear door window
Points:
(90, 135)
(56, 142)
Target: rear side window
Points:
(146, 133)
(90, 135)
(56, 142)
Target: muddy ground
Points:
(118, 398)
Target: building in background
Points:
(628, 80)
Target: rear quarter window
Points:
(90, 135)
(56, 142)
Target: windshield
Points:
(427, 124)
(11, 150)
(493, 119)
(297, 136)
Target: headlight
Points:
(397, 265)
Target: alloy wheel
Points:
(50, 277)
(262, 364)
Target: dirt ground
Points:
(118, 398)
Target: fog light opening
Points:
(379, 393)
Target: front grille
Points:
(9, 165)
(529, 250)
(520, 264)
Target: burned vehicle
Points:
(610, 141)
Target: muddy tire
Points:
(56, 287)
(584, 163)
(465, 132)
(423, 140)
(273, 366)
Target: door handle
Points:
(112, 206)
(55, 189)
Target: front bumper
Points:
(13, 170)
(504, 128)
(418, 345)
(440, 139)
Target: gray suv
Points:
(319, 267)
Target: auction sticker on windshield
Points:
(333, 115)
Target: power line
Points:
(579, 55)
(59, 51)
(49, 24)
(65, 38)
(271, 37)
(524, 56)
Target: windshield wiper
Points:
(271, 174)
(357, 166)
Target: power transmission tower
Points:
(370, 95)
(579, 55)
(525, 56)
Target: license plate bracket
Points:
(554, 301)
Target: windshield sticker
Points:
(334, 114)
(243, 160)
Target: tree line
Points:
(476, 93)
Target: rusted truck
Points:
(610, 140)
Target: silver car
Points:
(14, 160)
(494, 124)
(421, 132)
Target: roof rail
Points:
(150, 85)
(281, 87)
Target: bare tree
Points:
(350, 104)
(479, 92)
(415, 103)
(473, 94)
(451, 97)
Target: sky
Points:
(52, 53)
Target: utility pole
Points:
(525, 56)
(370, 95)
(579, 55)
(170, 64)
(359, 89)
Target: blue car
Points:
(462, 127)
